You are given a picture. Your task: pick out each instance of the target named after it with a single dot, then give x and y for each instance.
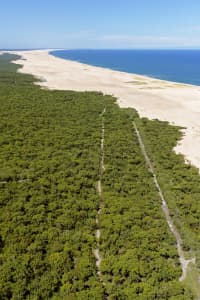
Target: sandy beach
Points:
(176, 103)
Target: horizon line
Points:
(85, 48)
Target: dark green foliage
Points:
(9, 75)
(49, 157)
(180, 182)
(140, 256)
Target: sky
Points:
(100, 24)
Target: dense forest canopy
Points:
(50, 155)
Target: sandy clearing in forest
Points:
(176, 103)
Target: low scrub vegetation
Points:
(50, 156)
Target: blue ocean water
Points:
(173, 65)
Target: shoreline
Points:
(139, 76)
(143, 76)
(176, 103)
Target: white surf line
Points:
(99, 190)
(184, 262)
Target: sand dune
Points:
(177, 103)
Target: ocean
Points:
(174, 65)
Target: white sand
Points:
(177, 103)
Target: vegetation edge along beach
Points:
(50, 158)
(152, 98)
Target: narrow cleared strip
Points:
(184, 262)
(18, 181)
(99, 190)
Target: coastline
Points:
(143, 75)
(177, 103)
